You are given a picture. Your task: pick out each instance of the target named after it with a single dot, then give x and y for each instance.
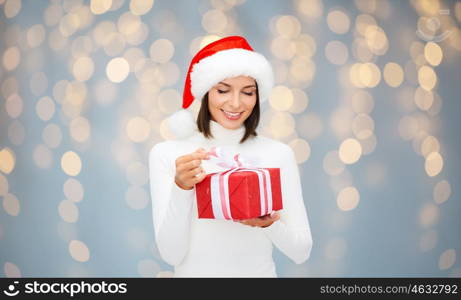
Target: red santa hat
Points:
(227, 57)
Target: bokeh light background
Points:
(367, 94)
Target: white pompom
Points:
(182, 124)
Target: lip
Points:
(232, 116)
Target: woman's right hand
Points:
(188, 169)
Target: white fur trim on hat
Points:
(231, 63)
(182, 124)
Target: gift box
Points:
(239, 193)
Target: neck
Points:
(222, 135)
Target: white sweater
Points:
(223, 248)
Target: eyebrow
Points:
(252, 85)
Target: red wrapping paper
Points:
(244, 195)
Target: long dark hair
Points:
(251, 123)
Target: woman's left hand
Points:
(264, 221)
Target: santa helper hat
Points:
(228, 57)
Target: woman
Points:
(231, 80)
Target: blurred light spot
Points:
(300, 101)
(348, 198)
(114, 44)
(311, 10)
(281, 98)
(340, 121)
(165, 274)
(105, 92)
(288, 26)
(302, 69)
(137, 174)
(56, 40)
(38, 83)
(53, 14)
(169, 101)
(71, 163)
(83, 68)
(350, 151)
(129, 25)
(11, 204)
(75, 94)
(12, 8)
(133, 56)
(433, 53)
(43, 157)
(332, 164)
(99, 7)
(338, 21)
(368, 144)
(362, 102)
(52, 135)
(442, 191)
(363, 126)
(141, 7)
(282, 124)
(4, 186)
(69, 24)
(80, 129)
(35, 35)
(301, 149)
(361, 51)
(14, 106)
(79, 251)
(429, 215)
(102, 32)
(393, 74)
(138, 129)
(369, 74)
(368, 6)
(433, 164)
(305, 46)
(427, 78)
(447, 259)
(423, 98)
(376, 39)
(428, 241)
(10, 269)
(408, 127)
(430, 144)
(283, 48)
(148, 268)
(161, 50)
(117, 69)
(45, 108)
(16, 133)
(165, 131)
(7, 160)
(336, 52)
(335, 249)
(68, 211)
(214, 21)
(73, 190)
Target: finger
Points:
(186, 167)
(195, 172)
(199, 178)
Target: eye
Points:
(249, 94)
(221, 91)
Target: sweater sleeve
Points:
(291, 234)
(171, 207)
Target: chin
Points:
(230, 124)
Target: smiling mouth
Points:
(232, 115)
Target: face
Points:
(231, 101)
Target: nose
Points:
(235, 100)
